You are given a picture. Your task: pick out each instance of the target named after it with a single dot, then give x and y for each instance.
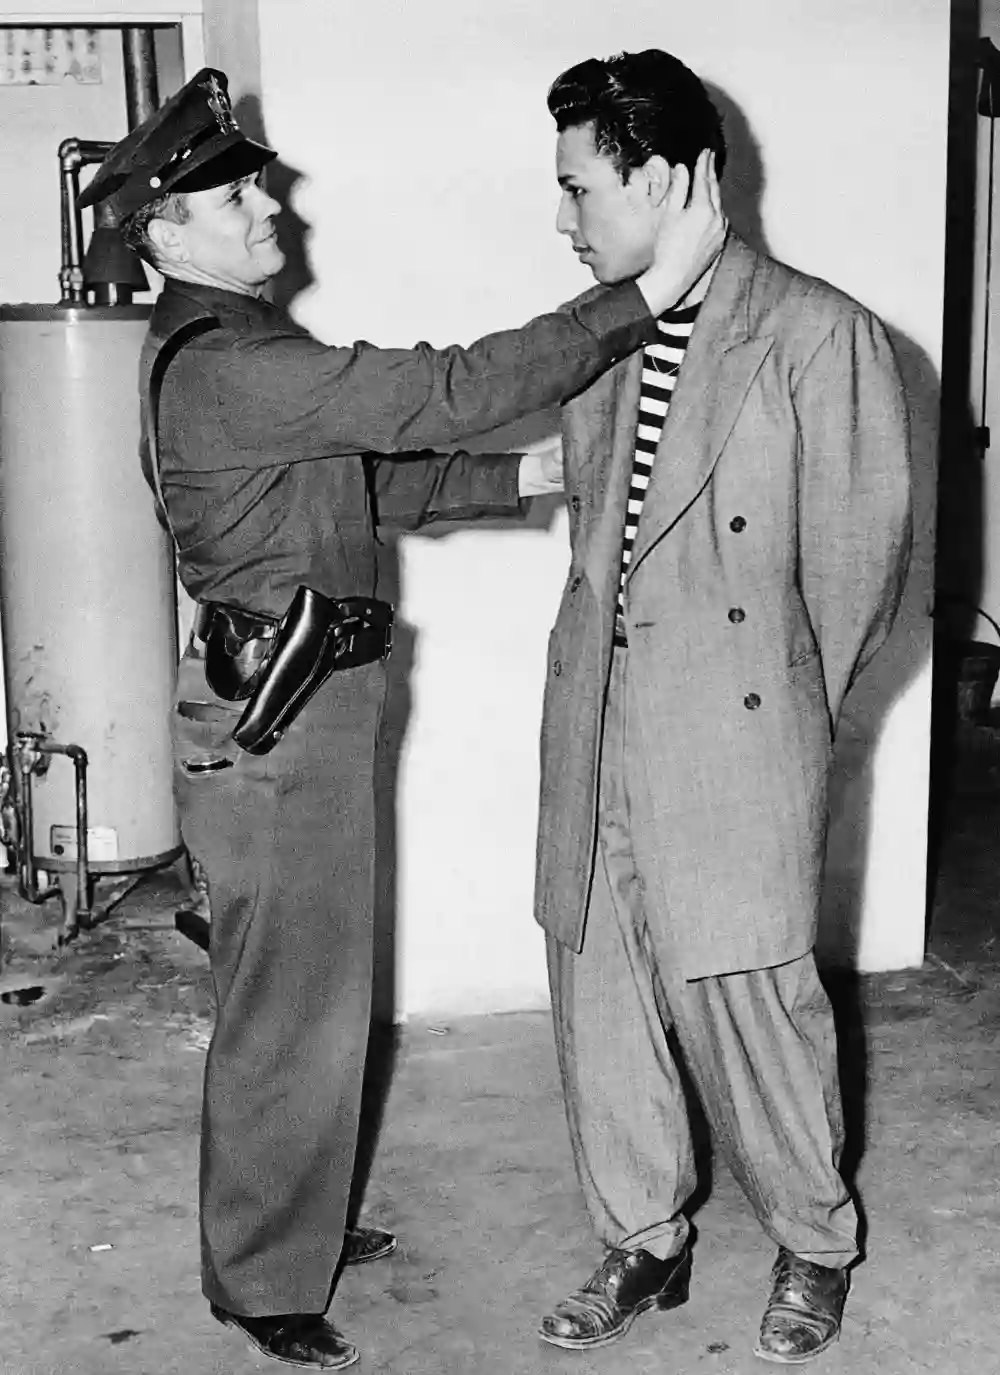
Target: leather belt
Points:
(244, 637)
(244, 627)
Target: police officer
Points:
(268, 453)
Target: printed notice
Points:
(49, 56)
(102, 842)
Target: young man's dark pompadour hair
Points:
(640, 104)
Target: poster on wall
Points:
(49, 56)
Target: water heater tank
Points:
(87, 603)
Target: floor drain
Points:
(23, 997)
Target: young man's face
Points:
(229, 237)
(611, 223)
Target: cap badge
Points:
(218, 103)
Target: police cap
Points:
(192, 142)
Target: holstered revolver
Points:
(315, 637)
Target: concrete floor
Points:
(99, 1104)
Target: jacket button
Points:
(575, 503)
(557, 668)
(751, 701)
(737, 525)
(737, 615)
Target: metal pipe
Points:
(26, 763)
(142, 97)
(70, 271)
(31, 751)
(26, 868)
(73, 154)
(141, 100)
(82, 914)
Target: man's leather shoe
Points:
(362, 1244)
(803, 1314)
(302, 1339)
(625, 1284)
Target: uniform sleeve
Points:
(289, 397)
(412, 490)
(854, 508)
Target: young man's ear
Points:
(167, 241)
(658, 174)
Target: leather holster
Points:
(237, 646)
(314, 637)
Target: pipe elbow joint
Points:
(70, 155)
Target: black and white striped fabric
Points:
(660, 365)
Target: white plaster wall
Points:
(426, 158)
(426, 153)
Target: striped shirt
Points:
(660, 365)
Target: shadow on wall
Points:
(905, 654)
(960, 523)
(949, 530)
(293, 232)
(903, 658)
(743, 179)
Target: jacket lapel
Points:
(721, 363)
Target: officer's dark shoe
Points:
(803, 1314)
(626, 1284)
(302, 1339)
(362, 1244)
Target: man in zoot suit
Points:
(263, 452)
(739, 521)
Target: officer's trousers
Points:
(286, 841)
(759, 1048)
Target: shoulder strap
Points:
(168, 352)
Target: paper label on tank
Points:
(102, 842)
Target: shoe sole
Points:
(285, 1360)
(588, 1343)
(369, 1256)
(796, 1360)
